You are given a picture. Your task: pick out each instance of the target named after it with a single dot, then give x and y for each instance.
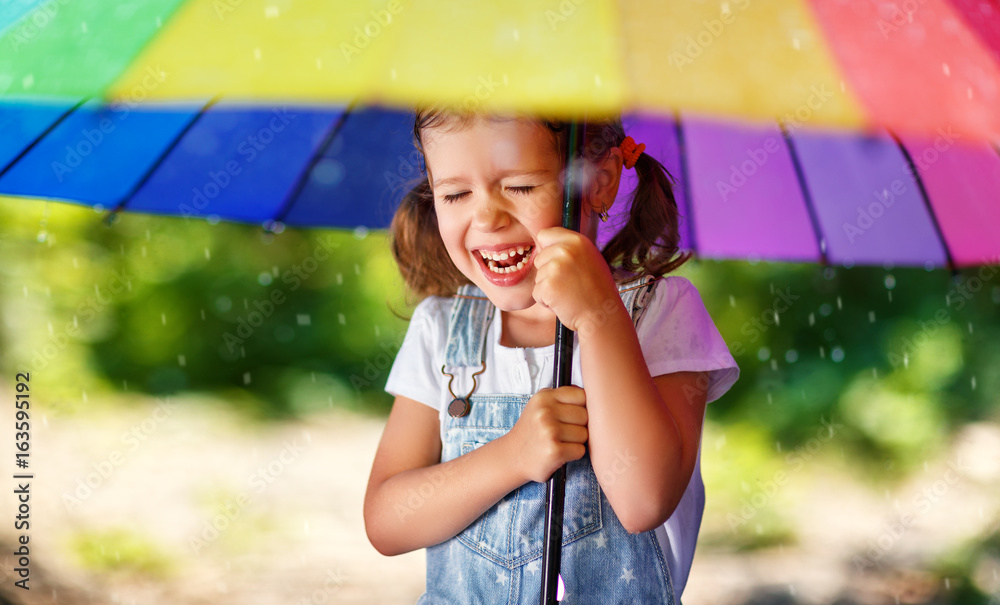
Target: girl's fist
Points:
(551, 431)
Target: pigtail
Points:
(649, 241)
(416, 245)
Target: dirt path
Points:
(188, 503)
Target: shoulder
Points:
(671, 291)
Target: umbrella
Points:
(111, 105)
(913, 185)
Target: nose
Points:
(491, 213)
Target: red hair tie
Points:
(631, 151)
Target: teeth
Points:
(492, 258)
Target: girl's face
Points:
(496, 184)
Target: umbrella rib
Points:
(300, 183)
(927, 202)
(44, 134)
(109, 218)
(806, 196)
(685, 175)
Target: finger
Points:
(570, 394)
(573, 414)
(551, 235)
(570, 433)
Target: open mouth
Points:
(507, 261)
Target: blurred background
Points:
(206, 400)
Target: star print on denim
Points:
(626, 575)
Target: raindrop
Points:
(970, 327)
(357, 269)
(341, 319)
(328, 172)
(143, 249)
(840, 305)
(829, 273)
(256, 54)
(973, 383)
(770, 398)
(223, 304)
(822, 353)
(871, 317)
(42, 236)
(929, 266)
(208, 253)
(825, 309)
(829, 334)
(85, 396)
(376, 332)
(303, 319)
(995, 295)
(848, 263)
(837, 354)
(890, 295)
(284, 333)
(360, 233)
(777, 319)
(763, 354)
(319, 63)
(212, 219)
(947, 583)
(774, 365)
(946, 69)
(98, 208)
(340, 278)
(890, 282)
(246, 378)
(181, 361)
(791, 356)
(906, 361)
(777, 445)
(76, 263)
(812, 319)
(203, 314)
(732, 301)
(597, 80)
(163, 318)
(271, 12)
(264, 279)
(875, 373)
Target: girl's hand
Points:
(573, 280)
(551, 431)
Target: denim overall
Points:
(498, 558)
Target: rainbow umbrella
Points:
(861, 132)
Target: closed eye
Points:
(454, 197)
(521, 190)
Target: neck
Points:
(531, 327)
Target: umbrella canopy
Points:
(143, 107)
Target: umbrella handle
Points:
(556, 492)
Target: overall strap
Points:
(471, 314)
(635, 294)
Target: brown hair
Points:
(647, 244)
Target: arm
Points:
(398, 518)
(414, 501)
(644, 431)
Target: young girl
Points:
(476, 428)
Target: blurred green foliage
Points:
(282, 324)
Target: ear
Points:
(607, 177)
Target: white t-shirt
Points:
(676, 335)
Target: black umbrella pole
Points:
(556, 493)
